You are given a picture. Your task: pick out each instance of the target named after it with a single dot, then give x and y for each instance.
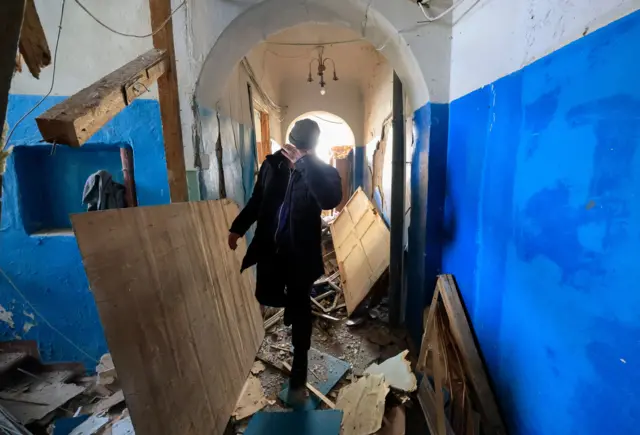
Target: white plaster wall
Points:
(378, 99)
(493, 38)
(235, 104)
(343, 98)
(87, 51)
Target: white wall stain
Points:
(27, 327)
(32, 316)
(7, 317)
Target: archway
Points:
(272, 16)
(269, 17)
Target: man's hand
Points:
(292, 153)
(233, 241)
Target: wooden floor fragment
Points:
(181, 322)
(363, 405)
(362, 243)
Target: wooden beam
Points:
(33, 42)
(76, 119)
(11, 12)
(169, 102)
(459, 326)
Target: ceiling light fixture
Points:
(322, 67)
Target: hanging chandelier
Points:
(322, 67)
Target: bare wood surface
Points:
(182, 323)
(11, 13)
(160, 10)
(33, 42)
(427, 400)
(476, 373)
(73, 121)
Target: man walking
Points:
(292, 189)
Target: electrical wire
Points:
(314, 44)
(53, 78)
(44, 319)
(131, 35)
(431, 19)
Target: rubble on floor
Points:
(57, 399)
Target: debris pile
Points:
(58, 398)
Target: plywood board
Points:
(362, 243)
(181, 322)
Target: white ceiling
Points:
(354, 61)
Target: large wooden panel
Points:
(362, 244)
(182, 324)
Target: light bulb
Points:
(323, 91)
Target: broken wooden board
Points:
(474, 367)
(397, 372)
(109, 402)
(327, 371)
(73, 121)
(427, 400)
(32, 397)
(11, 16)
(251, 399)
(181, 322)
(326, 422)
(362, 243)
(363, 405)
(33, 42)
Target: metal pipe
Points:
(126, 157)
(398, 181)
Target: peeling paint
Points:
(27, 327)
(7, 317)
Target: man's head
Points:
(304, 134)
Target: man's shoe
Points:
(298, 380)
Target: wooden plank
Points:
(181, 322)
(471, 360)
(438, 374)
(11, 13)
(160, 11)
(33, 42)
(428, 325)
(73, 121)
(361, 241)
(427, 400)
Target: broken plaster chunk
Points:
(106, 370)
(258, 367)
(397, 372)
(251, 399)
(363, 404)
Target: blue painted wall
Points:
(49, 184)
(47, 270)
(428, 175)
(543, 205)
